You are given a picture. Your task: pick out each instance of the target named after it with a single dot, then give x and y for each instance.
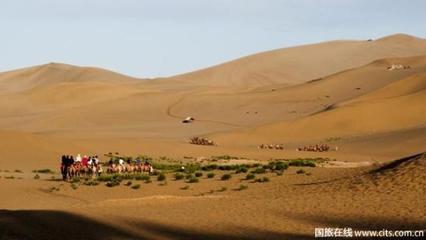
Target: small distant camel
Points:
(201, 141)
(397, 67)
(271, 146)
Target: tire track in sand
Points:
(170, 113)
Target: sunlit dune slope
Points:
(303, 63)
(394, 106)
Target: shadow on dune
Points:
(361, 222)
(397, 163)
(46, 224)
(43, 224)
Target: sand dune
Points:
(304, 63)
(338, 92)
(358, 102)
(295, 101)
(55, 73)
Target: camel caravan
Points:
(201, 141)
(271, 146)
(397, 67)
(316, 148)
(90, 166)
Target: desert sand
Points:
(339, 93)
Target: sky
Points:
(158, 38)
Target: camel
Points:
(121, 168)
(147, 167)
(85, 170)
(74, 170)
(397, 67)
(112, 168)
(271, 146)
(201, 141)
(315, 148)
(129, 168)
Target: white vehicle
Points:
(188, 120)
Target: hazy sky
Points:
(165, 37)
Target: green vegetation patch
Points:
(45, 170)
(226, 176)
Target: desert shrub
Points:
(193, 180)
(18, 171)
(142, 177)
(255, 165)
(74, 186)
(261, 180)
(136, 186)
(226, 167)
(36, 176)
(250, 176)
(128, 183)
(10, 177)
(161, 177)
(127, 176)
(265, 179)
(279, 173)
(210, 175)
(185, 187)
(188, 176)
(148, 181)
(223, 157)
(259, 170)
(91, 183)
(179, 176)
(192, 167)
(222, 189)
(112, 183)
(302, 163)
(144, 158)
(242, 187)
(198, 174)
(310, 164)
(75, 180)
(279, 166)
(300, 171)
(225, 177)
(46, 170)
(166, 167)
(308, 173)
(241, 169)
(209, 167)
(106, 177)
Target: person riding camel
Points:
(90, 161)
(78, 158)
(96, 160)
(121, 162)
(85, 161)
(64, 168)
